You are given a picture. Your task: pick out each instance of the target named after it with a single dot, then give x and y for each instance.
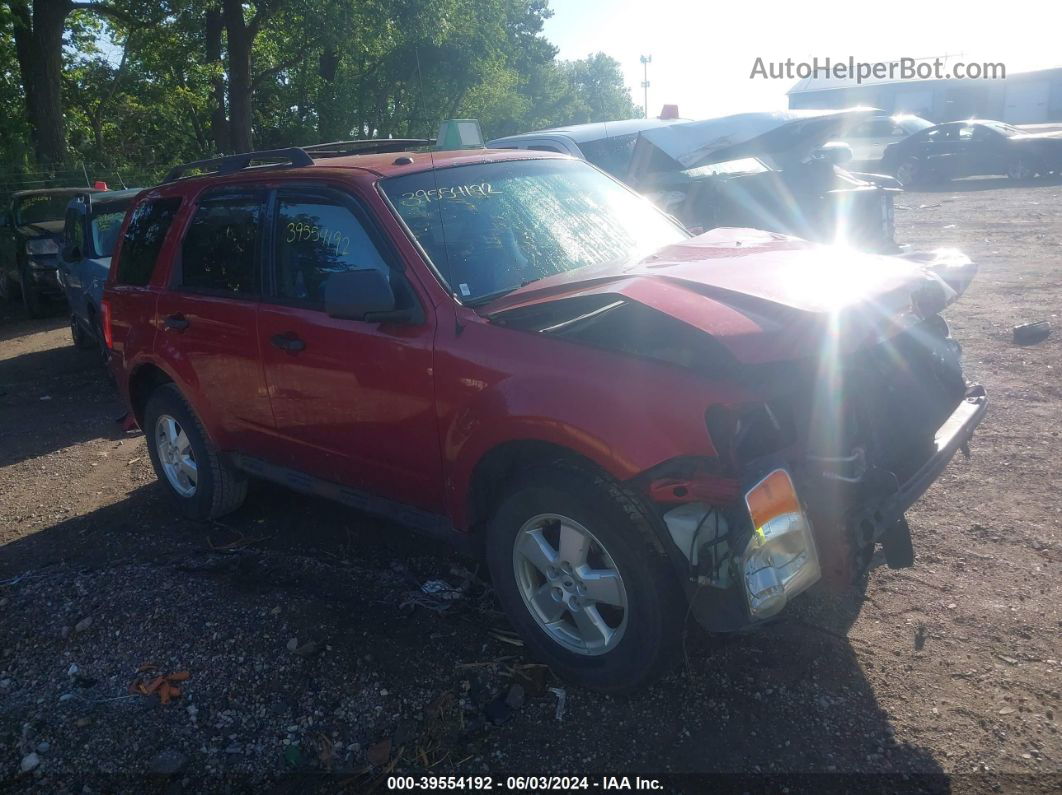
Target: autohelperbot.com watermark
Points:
(859, 71)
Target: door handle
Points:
(288, 342)
(177, 322)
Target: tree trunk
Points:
(39, 47)
(240, 39)
(219, 123)
(329, 124)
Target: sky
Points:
(703, 51)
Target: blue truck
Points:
(90, 233)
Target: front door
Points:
(353, 401)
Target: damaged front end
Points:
(834, 395)
(806, 484)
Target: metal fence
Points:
(80, 175)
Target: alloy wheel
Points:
(570, 584)
(176, 455)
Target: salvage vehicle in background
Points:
(93, 220)
(869, 137)
(971, 149)
(517, 351)
(608, 145)
(781, 171)
(32, 233)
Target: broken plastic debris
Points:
(442, 589)
(1031, 333)
(562, 701)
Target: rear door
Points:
(136, 281)
(353, 400)
(208, 318)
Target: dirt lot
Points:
(310, 667)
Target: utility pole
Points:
(646, 60)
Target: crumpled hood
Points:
(764, 296)
(699, 143)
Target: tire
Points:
(909, 172)
(30, 300)
(8, 288)
(639, 640)
(1020, 169)
(217, 488)
(81, 338)
(98, 341)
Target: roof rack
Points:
(230, 163)
(365, 146)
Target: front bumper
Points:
(848, 515)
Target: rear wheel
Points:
(576, 571)
(909, 172)
(197, 477)
(78, 335)
(1020, 169)
(99, 341)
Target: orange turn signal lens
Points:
(772, 497)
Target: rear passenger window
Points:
(143, 240)
(220, 249)
(316, 238)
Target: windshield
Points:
(105, 228)
(44, 207)
(912, 124)
(492, 227)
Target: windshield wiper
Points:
(488, 297)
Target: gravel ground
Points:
(315, 661)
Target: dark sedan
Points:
(971, 149)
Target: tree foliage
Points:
(142, 85)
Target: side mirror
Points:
(71, 253)
(836, 152)
(362, 295)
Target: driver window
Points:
(316, 238)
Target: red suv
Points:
(514, 349)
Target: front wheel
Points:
(576, 571)
(8, 287)
(30, 300)
(200, 481)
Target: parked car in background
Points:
(516, 350)
(608, 145)
(782, 171)
(93, 220)
(32, 236)
(869, 137)
(971, 149)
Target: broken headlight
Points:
(779, 560)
